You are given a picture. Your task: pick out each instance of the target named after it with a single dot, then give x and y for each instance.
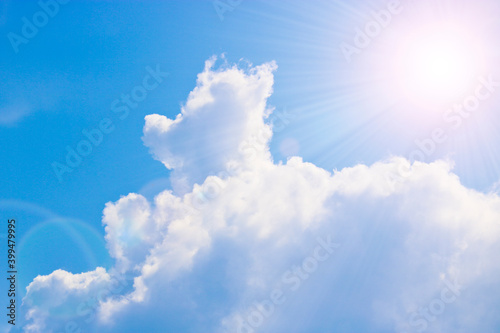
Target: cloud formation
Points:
(240, 235)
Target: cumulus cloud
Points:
(59, 294)
(221, 121)
(243, 244)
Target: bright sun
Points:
(437, 65)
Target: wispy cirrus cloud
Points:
(12, 114)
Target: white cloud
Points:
(129, 234)
(61, 296)
(198, 258)
(221, 122)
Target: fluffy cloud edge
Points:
(270, 212)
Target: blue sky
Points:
(294, 88)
